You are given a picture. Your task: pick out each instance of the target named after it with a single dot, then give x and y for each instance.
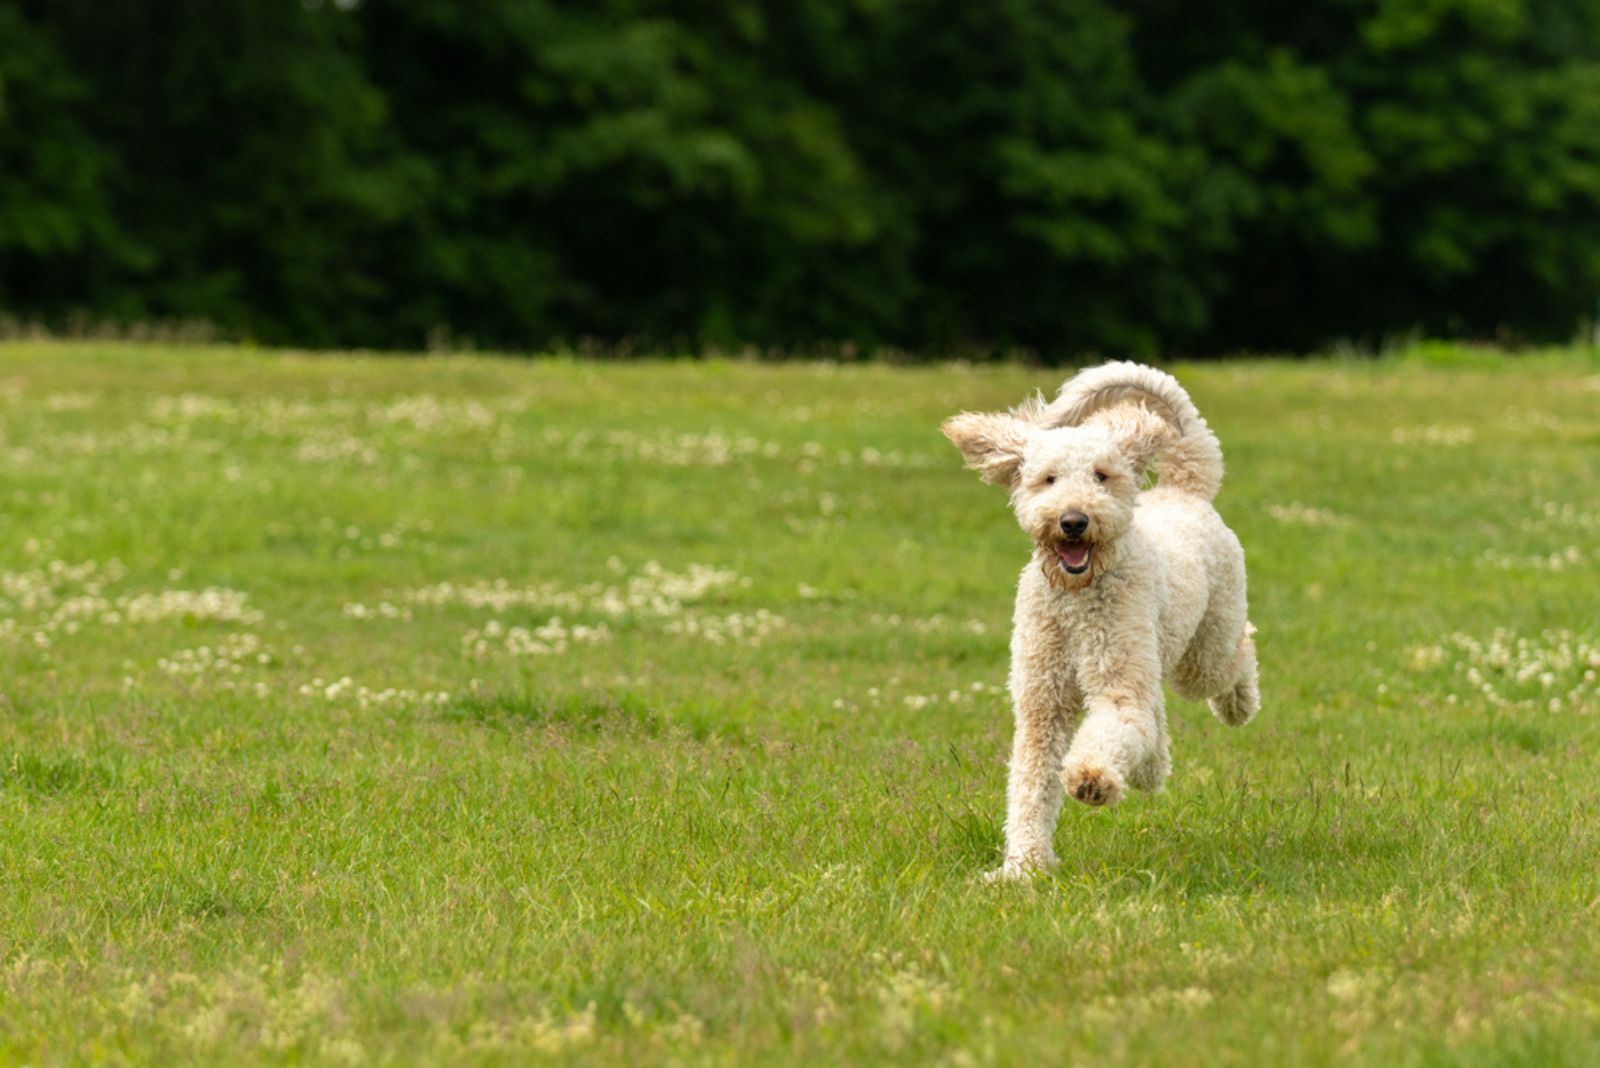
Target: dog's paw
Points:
(1093, 784)
(1151, 773)
(1238, 706)
(1016, 869)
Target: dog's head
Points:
(1073, 488)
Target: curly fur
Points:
(1194, 460)
(1126, 587)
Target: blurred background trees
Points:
(1066, 175)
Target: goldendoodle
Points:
(1126, 587)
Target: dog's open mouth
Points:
(1074, 556)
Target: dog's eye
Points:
(1099, 476)
(1049, 480)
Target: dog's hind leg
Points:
(1219, 666)
(1238, 704)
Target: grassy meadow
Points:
(462, 710)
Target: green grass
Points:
(733, 808)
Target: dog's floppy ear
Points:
(992, 442)
(1140, 433)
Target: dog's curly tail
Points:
(1191, 462)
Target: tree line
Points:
(1144, 176)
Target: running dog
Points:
(1127, 586)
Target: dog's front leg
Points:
(1123, 738)
(1033, 789)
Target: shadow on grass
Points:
(1522, 736)
(588, 713)
(203, 897)
(1344, 847)
(54, 776)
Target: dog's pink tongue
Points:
(1075, 555)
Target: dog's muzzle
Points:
(1074, 551)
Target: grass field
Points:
(465, 711)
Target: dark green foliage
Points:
(55, 207)
(1067, 175)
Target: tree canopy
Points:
(1067, 175)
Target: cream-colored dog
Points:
(1125, 588)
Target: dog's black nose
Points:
(1073, 524)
